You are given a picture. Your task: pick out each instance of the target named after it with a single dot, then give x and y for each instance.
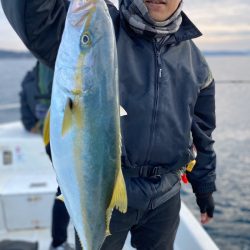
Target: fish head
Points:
(86, 45)
(86, 63)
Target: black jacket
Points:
(27, 99)
(35, 96)
(167, 90)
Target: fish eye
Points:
(85, 40)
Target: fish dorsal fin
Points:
(119, 199)
(60, 198)
(68, 116)
(46, 129)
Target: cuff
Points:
(204, 188)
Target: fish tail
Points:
(119, 199)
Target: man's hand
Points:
(37, 128)
(206, 205)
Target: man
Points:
(35, 98)
(168, 92)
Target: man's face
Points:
(161, 10)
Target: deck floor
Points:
(43, 237)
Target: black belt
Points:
(145, 171)
(150, 171)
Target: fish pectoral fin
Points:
(46, 129)
(119, 199)
(68, 116)
(123, 111)
(60, 198)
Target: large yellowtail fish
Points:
(85, 122)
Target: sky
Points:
(225, 25)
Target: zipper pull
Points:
(159, 63)
(160, 73)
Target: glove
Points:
(37, 128)
(206, 203)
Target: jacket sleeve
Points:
(27, 115)
(39, 24)
(202, 178)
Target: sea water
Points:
(230, 228)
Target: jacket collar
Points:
(187, 30)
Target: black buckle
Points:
(147, 171)
(155, 171)
(143, 172)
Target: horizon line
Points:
(206, 52)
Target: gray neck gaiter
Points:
(136, 15)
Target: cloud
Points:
(224, 23)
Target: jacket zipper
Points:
(156, 99)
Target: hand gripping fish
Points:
(84, 122)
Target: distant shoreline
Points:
(9, 54)
(226, 53)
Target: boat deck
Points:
(27, 192)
